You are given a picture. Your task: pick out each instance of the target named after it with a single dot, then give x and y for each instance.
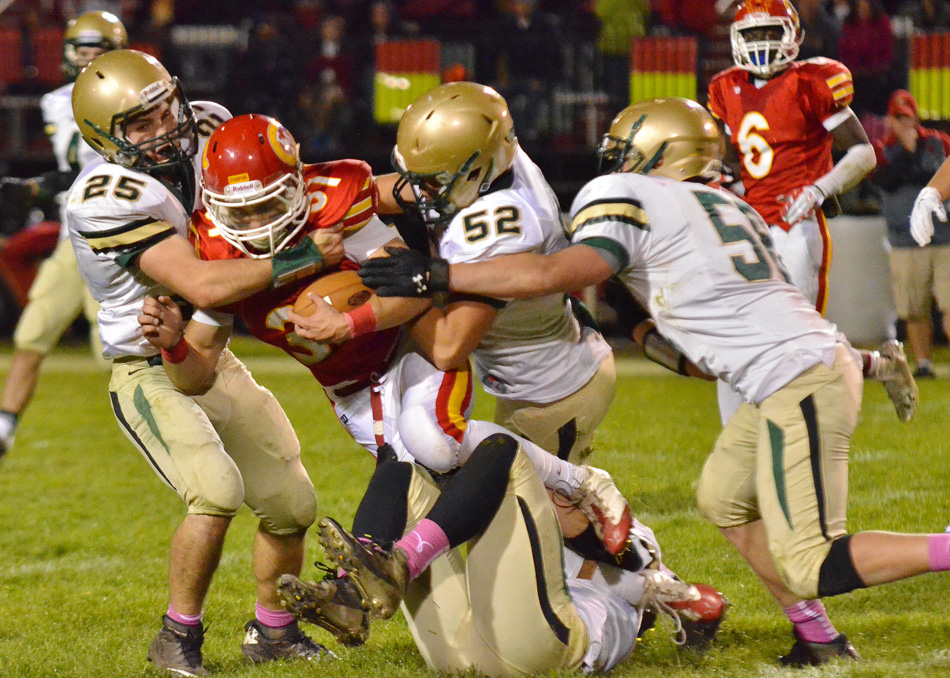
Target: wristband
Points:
(362, 320)
(177, 353)
(658, 348)
(438, 276)
(295, 263)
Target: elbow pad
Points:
(851, 169)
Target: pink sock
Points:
(939, 547)
(274, 619)
(186, 619)
(423, 545)
(811, 622)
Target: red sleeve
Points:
(343, 190)
(716, 104)
(830, 87)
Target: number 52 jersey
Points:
(700, 260)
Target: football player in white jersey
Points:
(57, 295)
(127, 218)
(699, 259)
(461, 169)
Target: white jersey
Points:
(700, 260)
(535, 350)
(113, 214)
(69, 148)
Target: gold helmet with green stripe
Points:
(675, 138)
(452, 143)
(87, 37)
(126, 86)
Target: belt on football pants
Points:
(375, 402)
(152, 360)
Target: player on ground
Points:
(127, 219)
(700, 260)
(462, 171)
(368, 376)
(782, 118)
(492, 610)
(57, 295)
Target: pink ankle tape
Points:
(423, 545)
(186, 619)
(938, 546)
(811, 622)
(275, 619)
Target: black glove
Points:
(406, 273)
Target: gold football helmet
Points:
(675, 138)
(116, 88)
(93, 29)
(452, 143)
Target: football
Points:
(343, 290)
(708, 606)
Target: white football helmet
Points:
(765, 36)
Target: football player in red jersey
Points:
(783, 117)
(259, 199)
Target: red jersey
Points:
(778, 129)
(341, 190)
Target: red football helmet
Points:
(252, 185)
(765, 35)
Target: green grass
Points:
(86, 527)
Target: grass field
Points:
(86, 526)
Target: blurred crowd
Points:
(311, 62)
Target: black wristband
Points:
(297, 262)
(439, 276)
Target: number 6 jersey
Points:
(700, 260)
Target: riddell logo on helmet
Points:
(154, 91)
(239, 185)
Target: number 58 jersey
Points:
(781, 128)
(700, 260)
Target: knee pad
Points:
(425, 440)
(293, 510)
(838, 574)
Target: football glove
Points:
(804, 203)
(927, 206)
(406, 273)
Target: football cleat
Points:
(262, 644)
(600, 500)
(695, 610)
(177, 648)
(892, 370)
(382, 576)
(333, 604)
(804, 653)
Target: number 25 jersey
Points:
(781, 130)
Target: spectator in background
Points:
(822, 29)
(266, 74)
(528, 60)
(906, 159)
(324, 103)
(927, 14)
(867, 49)
(620, 22)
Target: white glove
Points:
(927, 205)
(803, 204)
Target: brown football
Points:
(343, 290)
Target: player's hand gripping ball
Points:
(343, 290)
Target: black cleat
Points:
(382, 576)
(177, 648)
(334, 604)
(263, 644)
(804, 653)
